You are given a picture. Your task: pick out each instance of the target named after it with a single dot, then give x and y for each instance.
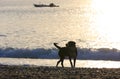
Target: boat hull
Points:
(43, 5)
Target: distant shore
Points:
(46, 72)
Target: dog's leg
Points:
(70, 62)
(74, 62)
(62, 62)
(58, 63)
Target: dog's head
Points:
(71, 44)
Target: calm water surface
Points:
(84, 21)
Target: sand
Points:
(46, 72)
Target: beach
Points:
(51, 72)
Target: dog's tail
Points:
(55, 44)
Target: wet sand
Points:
(46, 72)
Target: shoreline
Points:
(51, 72)
(52, 62)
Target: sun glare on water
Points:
(108, 20)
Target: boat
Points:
(44, 5)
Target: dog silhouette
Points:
(69, 51)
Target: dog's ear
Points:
(67, 45)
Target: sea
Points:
(27, 33)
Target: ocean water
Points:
(25, 26)
(29, 32)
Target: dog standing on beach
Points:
(69, 51)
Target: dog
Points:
(69, 51)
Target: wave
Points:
(83, 53)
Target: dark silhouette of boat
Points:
(44, 5)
